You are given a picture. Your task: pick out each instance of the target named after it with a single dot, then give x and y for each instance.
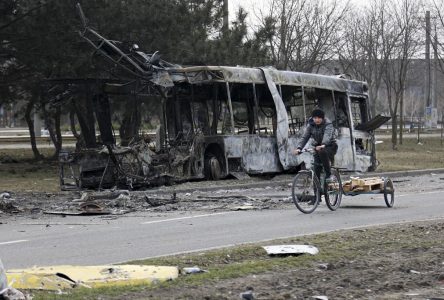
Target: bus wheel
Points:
(213, 169)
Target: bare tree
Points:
(438, 12)
(362, 50)
(301, 33)
(378, 47)
(404, 46)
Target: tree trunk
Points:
(88, 132)
(374, 91)
(401, 117)
(30, 122)
(394, 131)
(283, 33)
(52, 128)
(58, 132)
(131, 122)
(72, 123)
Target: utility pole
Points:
(427, 59)
(226, 20)
(442, 128)
(419, 129)
(435, 69)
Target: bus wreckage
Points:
(216, 121)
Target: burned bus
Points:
(218, 121)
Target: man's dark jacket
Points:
(322, 134)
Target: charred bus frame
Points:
(217, 121)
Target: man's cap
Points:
(318, 113)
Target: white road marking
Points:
(184, 218)
(283, 237)
(420, 193)
(13, 242)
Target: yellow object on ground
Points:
(65, 277)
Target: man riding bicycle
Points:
(324, 142)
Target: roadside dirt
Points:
(251, 194)
(392, 262)
(397, 262)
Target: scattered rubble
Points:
(9, 206)
(55, 278)
(3, 280)
(5, 195)
(211, 196)
(7, 292)
(291, 249)
(193, 270)
(248, 294)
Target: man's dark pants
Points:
(323, 158)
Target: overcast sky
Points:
(253, 6)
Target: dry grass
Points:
(410, 155)
(28, 175)
(370, 263)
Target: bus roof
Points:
(201, 74)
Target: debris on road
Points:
(66, 277)
(246, 206)
(97, 203)
(5, 195)
(324, 266)
(291, 249)
(7, 205)
(193, 270)
(105, 195)
(93, 208)
(248, 294)
(8, 292)
(3, 280)
(154, 200)
(12, 294)
(209, 196)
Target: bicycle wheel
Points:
(306, 191)
(333, 191)
(389, 192)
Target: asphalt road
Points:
(95, 240)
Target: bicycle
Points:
(306, 189)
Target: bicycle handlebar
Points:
(309, 150)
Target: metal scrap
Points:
(193, 270)
(97, 203)
(7, 292)
(246, 206)
(67, 277)
(5, 195)
(154, 200)
(9, 206)
(291, 249)
(3, 279)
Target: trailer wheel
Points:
(212, 167)
(389, 192)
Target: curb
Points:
(271, 183)
(396, 174)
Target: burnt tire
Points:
(389, 192)
(212, 167)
